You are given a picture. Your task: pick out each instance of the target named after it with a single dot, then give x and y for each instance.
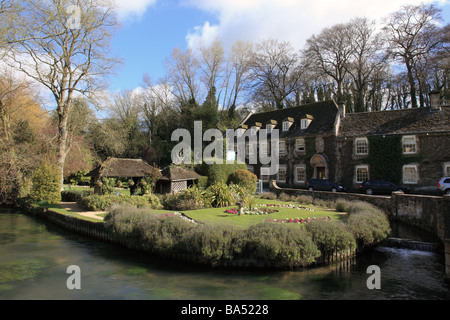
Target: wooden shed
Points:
(175, 179)
(134, 169)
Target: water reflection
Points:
(34, 258)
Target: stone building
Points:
(320, 140)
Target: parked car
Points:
(381, 187)
(324, 185)
(444, 186)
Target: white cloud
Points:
(287, 20)
(127, 9)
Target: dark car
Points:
(323, 185)
(381, 187)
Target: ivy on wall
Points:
(386, 158)
(310, 148)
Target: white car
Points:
(444, 185)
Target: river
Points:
(34, 257)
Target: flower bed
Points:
(298, 220)
(289, 206)
(254, 211)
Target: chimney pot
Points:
(435, 100)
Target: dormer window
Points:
(242, 130)
(287, 124)
(271, 125)
(255, 128)
(305, 122)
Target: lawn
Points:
(218, 215)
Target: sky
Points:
(151, 29)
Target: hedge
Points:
(103, 202)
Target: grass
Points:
(218, 215)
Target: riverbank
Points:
(261, 246)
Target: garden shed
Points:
(133, 169)
(176, 179)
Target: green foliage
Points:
(330, 236)
(368, 225)
(219, 173)
(388, 149)
(245, 179)
(287, 245)
(75, 195)
(213, 244)
(190, 199)
(45, 183)
(107, 185)
(103, 202)
(310, 148)
(222, 195)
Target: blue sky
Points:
(151, 29)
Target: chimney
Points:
(341, 106)
(435, 100)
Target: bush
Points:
(330, 236)
(285, 197)
(244, 179)
(342, 205)
(213, 244)
(305, 200)
(75, 195)
(45, 183)
(268, 195)
(189, 199)
(219, 173)
(368, 224)
(103, 202)
(287, 245)
(221, 195)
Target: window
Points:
(362, 173)
(361, 146)
(300, 145)
(410, 174)
(264, 176)
(282, 146)
(300, 174)
(281, 177)
(285, 126)
(409, 145)
(447, 169)
(250, 168)
(304, 123)
(269, 128)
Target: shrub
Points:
(219, 173)
(75, 195)
(268, 195)
(288, 245)
(330, 236)
(221, 195)
(213, 243)
(190, 199)
(103, 202)
(304, 200)
(342, 205)
(368, 224)
(45, 183)
(244, 179)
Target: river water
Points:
(34, 257)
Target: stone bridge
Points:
(429, 213)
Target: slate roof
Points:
(324, 114)
(124, 168)
(179, 174)
(405, 121)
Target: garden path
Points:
(74, 207)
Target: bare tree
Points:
(329, 54)
(367, 59)
(411, 33)
(70, 55)
(212, 61)
(276, 71)
(182, 68)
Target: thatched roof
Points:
(179, 174)
(124, 168)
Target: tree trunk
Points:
(62, 145)
(412, 85)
